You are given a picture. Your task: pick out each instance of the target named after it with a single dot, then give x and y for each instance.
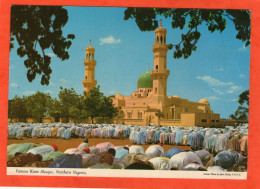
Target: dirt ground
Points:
(64, 144)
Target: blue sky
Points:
(218, 70)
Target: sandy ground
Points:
(64, 144)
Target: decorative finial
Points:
(147, 68)
(89, 42)
(160, 23)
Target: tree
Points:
(215, 20)
(37, 29)
(97, 105)
(242, 112)
(68, 98)
(92, 103)
(74, 113)
(38, 105)
(18, 108)
(55, 109)
(107, 108)
(159, 114)
(244, 97)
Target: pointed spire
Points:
(160, 23)
(148, 69)
(90, 42)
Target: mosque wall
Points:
(166, 122)
(129, 121)
(188, 119)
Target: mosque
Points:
(149, 104)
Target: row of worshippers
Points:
(214, 139)
(66, 131)
(107, 156)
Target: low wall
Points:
(129, 121)
(231, 122)
(31, 120)
(48, 120)
(14, 120)
(173, 122)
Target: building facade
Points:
(150, 103)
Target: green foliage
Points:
(69, 105)
(37, 29)
(97, 105)
(18, 108)
(68, 98)
(242, 112)
(244, 97)
(159, 114)
(55, 109)
(92, 102)
(190, 20)
(107, 109)
(38, 105)
(74, 112)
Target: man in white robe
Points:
(154, 151)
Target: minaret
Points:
(160, 72)
(89, 82)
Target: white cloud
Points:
(242, 76)
(212, 98)
(111, 93)
(63, 80)
(218, 91)
(14, 85)
(51, 83)
(232, 100)
(243, 48)
(233, 89)
(213, 81)
(220, 69)
(27, 93)
(51, 54)
(49, 91)
(109, 40)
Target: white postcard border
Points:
(124, 173)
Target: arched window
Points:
(161, 40)
(156, 90)
(89, 56)
(157, 39)
(156, 67)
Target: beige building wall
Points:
(151, 96)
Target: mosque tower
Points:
(89, 82)
(160, 73)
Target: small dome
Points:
(176, 96)
(160, 28)
(145, 81)
(204, 101)
(119, 96)
(90, 48)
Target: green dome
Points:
(145, 81)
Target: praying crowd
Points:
(211, 149)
